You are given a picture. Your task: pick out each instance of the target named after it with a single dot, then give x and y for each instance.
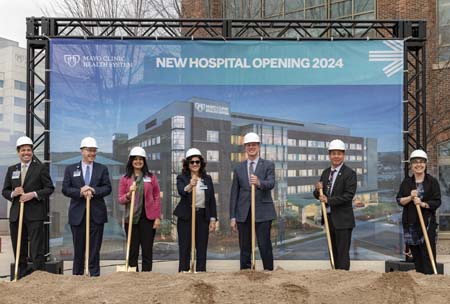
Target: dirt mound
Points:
(280, 286)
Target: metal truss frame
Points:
(41, 30)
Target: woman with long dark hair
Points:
(419, 189)
(194, 175)
(147, 208)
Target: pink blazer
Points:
(152, 201)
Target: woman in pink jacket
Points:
(147, 208)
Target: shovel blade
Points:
(123, 268)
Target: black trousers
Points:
(201, 241)
(142, 236)
(33, 231)
(79, 244)
(420, 252)
(340, 243)
(263, 240)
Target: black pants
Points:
(420, 253)
(263, 240)
(142, 236)
(340, 243)
(79, 244)
(201, 241)
(33, 231)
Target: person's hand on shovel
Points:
(254, 180)
(233, 225)
(132, 188)
(26, 197)
(418, 201)
(414, 194)
(157, 224)
(212, 225)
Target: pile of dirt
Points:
(279, 286)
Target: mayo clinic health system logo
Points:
(97, 61)
(71, 60)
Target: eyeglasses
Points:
(194, 162)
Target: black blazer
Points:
(184, 207)
(71, 187)
(432, 196)
(340, 199)
(37, 180)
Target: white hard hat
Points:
(418, 154)
(24, 140)
(251, 138)
(88, 142)
(193, 152)
(336, 144)
(138, 151)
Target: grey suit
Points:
(264, 210)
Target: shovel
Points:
(327, 230)
(253, 228)
(127, 267)
(19, 241)
(427, 240)
(88, 219)
(192, 269)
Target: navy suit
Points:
(72, 183)
(36, 180)
(341, 218)
(240, 201)
(203, 215)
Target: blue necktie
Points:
(87, 177)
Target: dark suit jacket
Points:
(37, 180)
(240, 195)
(184, 207)
(341, 198)
(71, 187)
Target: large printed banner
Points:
(169, 96)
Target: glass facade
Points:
(301, 9)
(444, 181)
(444, 30)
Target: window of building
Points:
(18, 118)
(444, 30)
(212, 136)
(270, 153)
(302, 143)
(267, 135)
(311, 172)
(2, 83)
(20, 85)
(311, 157)
(158, 140)
(303, 172)
(212, 155)
(292, 142)
(302, 157)
(292, 189)
(277, 136)
(177, 158)
(292, 156)
(312, 143)
(1, 99)
(178, 122)
(1, 117)
(292, 173)
(358, 147)
(156, 156)
(178, 139)
(214, 177)
(153, 141)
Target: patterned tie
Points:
(23, 173)
(251, 171)
(87, 177)
(330, 182)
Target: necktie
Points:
(251, 170)
(23, 173)
(87, 177)
(330, 182)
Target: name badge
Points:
(147, 179)
(15, 174)
(76, 173)
(202, 186)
